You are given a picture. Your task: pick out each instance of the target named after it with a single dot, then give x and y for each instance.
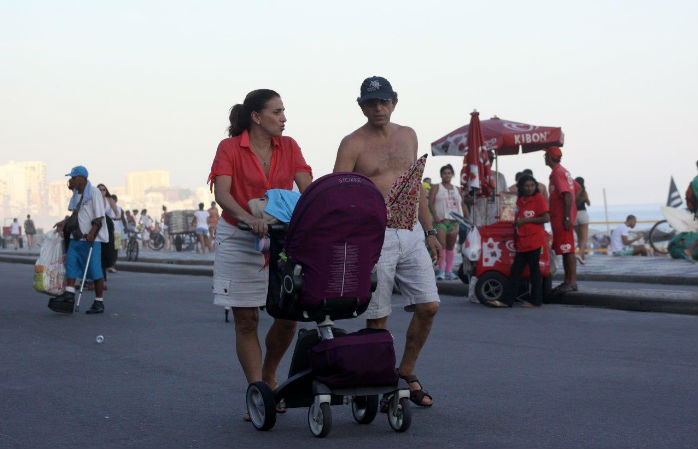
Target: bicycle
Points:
(156, 242)
(660, 235)
(663, 232)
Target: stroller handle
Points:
(270, 227)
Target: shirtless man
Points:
(383, 151)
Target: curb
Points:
(643, 279)
(643, 301)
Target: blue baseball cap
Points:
(376, 87)
(78, 171)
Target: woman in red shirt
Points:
(255, 158)
(531, 214)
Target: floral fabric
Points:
(403, 198)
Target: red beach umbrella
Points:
(502, 136)
(476, 172)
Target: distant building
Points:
(58, 198)
(13, 190)
(138, 183)
(35, 183)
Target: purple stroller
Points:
(320, 270)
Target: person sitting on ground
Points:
(531, 214)
(622, 244)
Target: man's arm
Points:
(628, 241)
(346, 156)
(566, 220)
(427, 225)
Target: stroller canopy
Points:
(336, 234)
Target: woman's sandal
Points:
(417, 396)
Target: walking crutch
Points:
(84, 276)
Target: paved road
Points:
(166, 375)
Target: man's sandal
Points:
(417, 396)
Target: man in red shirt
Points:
(563, 212)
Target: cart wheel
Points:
(261, 406)
(547, 289)
(364, 408)
(157, 241)
(178, 243)
(491, 286)
(399, 414)
(320, 419)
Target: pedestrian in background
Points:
(30, 231)
(530, 237)
(86, 228)
(15, 233)
(255, 158)
(111, 215)
(563, 212)
(200, 220)
(145, 223)
(445, 198)
(212, 221)
(581, 224)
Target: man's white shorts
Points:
(404, 262)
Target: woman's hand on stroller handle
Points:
(260, 227)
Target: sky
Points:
(144, 85)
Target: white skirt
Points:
(238, 277)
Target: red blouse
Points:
(234, 158)
(530, 236)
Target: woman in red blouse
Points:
(255, 158)
(531, 214)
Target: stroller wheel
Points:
(399, 414)
(320, 419)
(364, 408)
(261, 406)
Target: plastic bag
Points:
(49, 269)
(472, 247)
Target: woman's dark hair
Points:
(446, 167)
(105, 189)
(580, 180)
(522, 181)
(240, 113)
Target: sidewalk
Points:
(629, 270)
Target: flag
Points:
(674, 199)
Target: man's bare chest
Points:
(386, 159)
